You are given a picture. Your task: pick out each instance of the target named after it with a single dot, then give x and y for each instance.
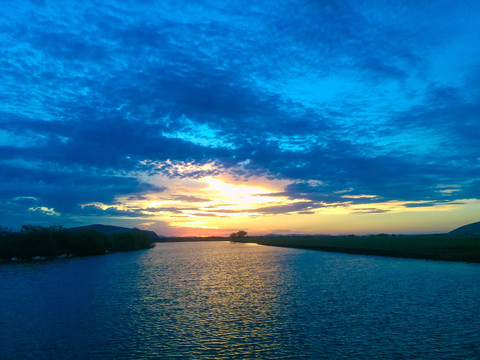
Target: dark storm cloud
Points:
(355, 96)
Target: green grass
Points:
(438, 247)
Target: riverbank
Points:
(434, 247)
(38, 243)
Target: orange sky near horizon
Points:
(220, 205)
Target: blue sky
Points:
(322, 113)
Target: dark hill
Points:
(470, 229)
(110, 229)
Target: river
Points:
(217, 300)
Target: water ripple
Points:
(220, 300)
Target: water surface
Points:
(213, 300)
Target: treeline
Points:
(38, 242)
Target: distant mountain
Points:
(473, 228)
(110, 229)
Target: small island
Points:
(34, 243)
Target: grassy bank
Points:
(41, 243)
(436, 247)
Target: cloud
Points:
(44, 210)
(190, 199)
(370, 211)
(289, 208)
(94, 210)
(99, 99)
(65, 188)
(421, 204)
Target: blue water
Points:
(215, 300)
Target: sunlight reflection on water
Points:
(215, 300)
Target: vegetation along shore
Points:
(35, 243)
(435, 247)
(41, 243)
(462, 244)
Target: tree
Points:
(238, 236)
(241, 234)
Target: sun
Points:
(226, 188)
(228, 196)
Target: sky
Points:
(200, 118)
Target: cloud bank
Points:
(110, 102)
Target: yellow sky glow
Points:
(219, 205)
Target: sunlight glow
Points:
(216, 205)
(225, 188)
(193, 224)
(227, 197)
